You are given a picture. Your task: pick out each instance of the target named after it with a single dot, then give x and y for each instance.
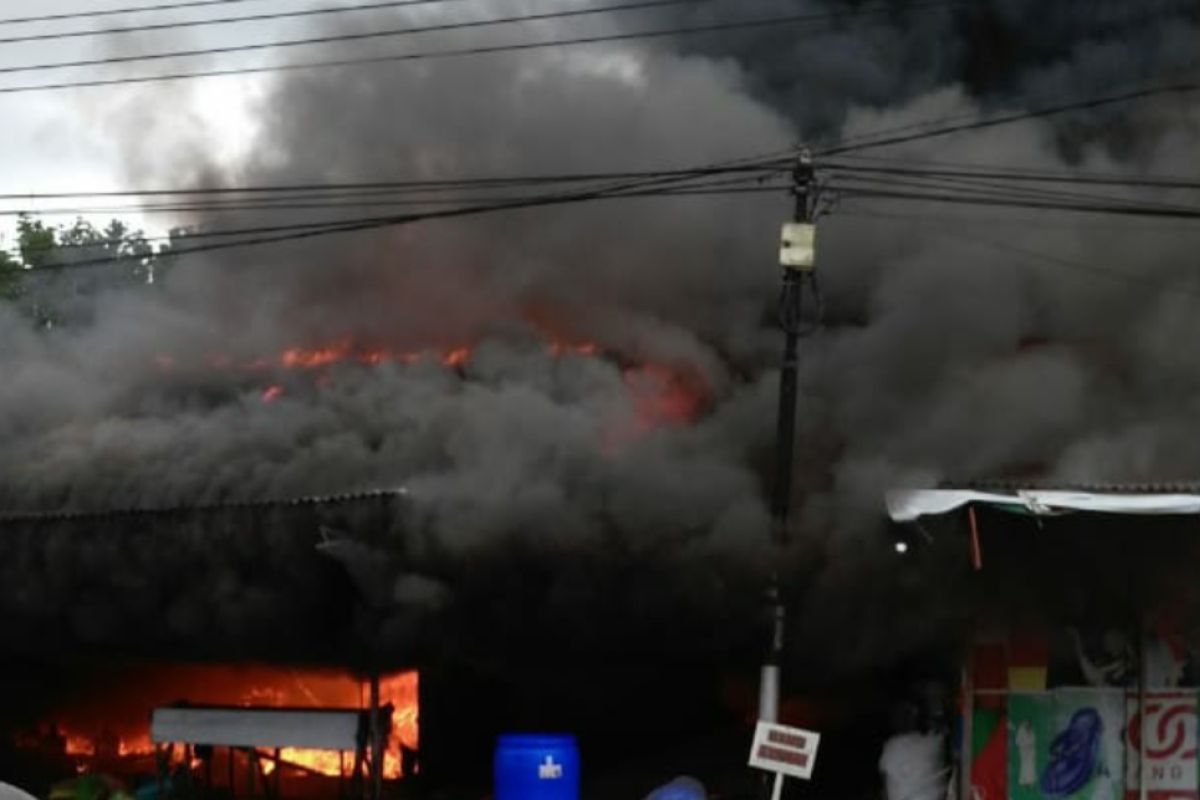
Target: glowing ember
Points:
(456, 357)
(80, 746)
(559, 348)
(662, 395)
(299, 358)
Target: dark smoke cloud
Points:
(950, 354)
(1001, 52)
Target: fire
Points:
(660, 394)
(663, 395)
(80, 746)
(456, 357)
(299, 358)
(560, 348)
(346, 350)
(115, 725)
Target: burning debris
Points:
(105, 730)
(111, 724)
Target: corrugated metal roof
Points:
(248, 505)
(1018, 485)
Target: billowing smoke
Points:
(959, 345)
(1002, 53)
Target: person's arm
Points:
(1093, 674)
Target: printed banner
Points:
(1066, 745)
(1170, 728)
(989, 750)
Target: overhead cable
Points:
(1031, 176)
(430, 184)
(213, 21)
(281, 233)
(344, 37)
(1037, 113)
(112, 12)
(716, 27)
(1112, 208)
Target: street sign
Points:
(784, 751)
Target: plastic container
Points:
(536, 766)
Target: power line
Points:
(982, 188)
(652, 187)
(709, 189)
(504, 181)
(633, 195)
(294, 205)
(211, 21)
(344, 37)
(1058, 261)
(1125, 210)
(1031, 176)
(1024, 221)
(467, 51)
(112, 12)
(353, 226)
(1097, 102)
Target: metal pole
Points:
(967, 723)
(797, 260)
(1143, 788)
(790, 320)
(376, 740)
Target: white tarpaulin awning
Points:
(317, 729)
(908, 505)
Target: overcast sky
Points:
(67, 140)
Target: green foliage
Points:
(10, 276)
(53, 293)
(36, 242)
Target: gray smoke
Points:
(961, 344)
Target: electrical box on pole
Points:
(798, 246)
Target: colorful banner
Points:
(1170, 727)
(1066, 745)
(989, 750)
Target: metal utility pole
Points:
(377, 739)
(797, 258)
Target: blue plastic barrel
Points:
(536, 766)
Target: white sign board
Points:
(784, 750)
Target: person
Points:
(682, 788)
(911, 761)
(1026, 755)
(1114, 665)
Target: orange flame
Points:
(661, 394)
(261, 687)
(456, 357)
(80, 746)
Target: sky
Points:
(67, 140)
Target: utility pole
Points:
(797, 258)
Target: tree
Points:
(110, 258)
(10, 276)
